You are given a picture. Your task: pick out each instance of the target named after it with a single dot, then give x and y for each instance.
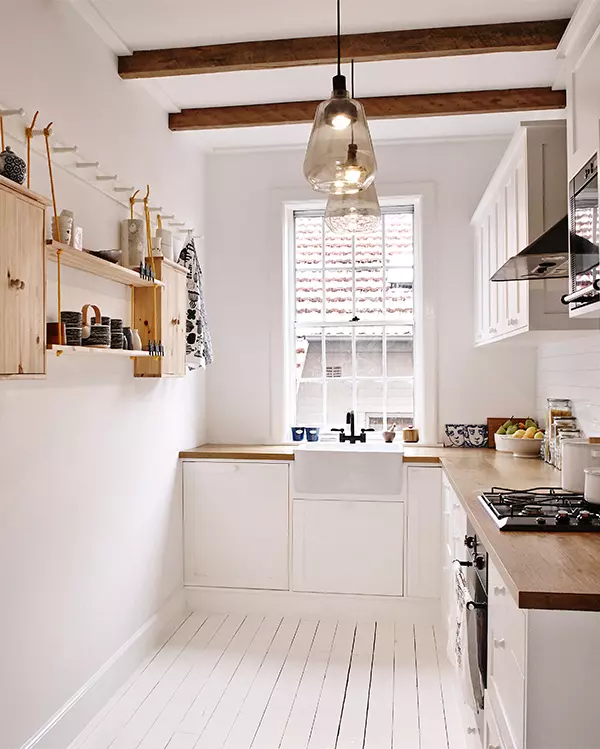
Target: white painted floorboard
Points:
(234, 682)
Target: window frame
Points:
(398, 205)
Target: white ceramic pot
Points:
(577, 455)
(592, 485)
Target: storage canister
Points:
(577, 455)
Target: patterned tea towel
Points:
(198, 343)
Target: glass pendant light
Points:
(340, 157)
(353, 213)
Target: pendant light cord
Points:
(339, 37)
(352, 77)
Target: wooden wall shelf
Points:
(82, 350)
(96, 266)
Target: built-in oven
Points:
(584, 255)
(475, 568)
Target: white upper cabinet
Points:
(526, 196)
(580, 48)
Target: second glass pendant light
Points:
(340, 157)
(355, 213)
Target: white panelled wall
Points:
(90, 503)
(571, 369)
(245, 279)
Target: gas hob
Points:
(540, 509)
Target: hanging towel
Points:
(198, 343)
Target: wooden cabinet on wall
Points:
(171, 302)
(22, 282)
(526, 196)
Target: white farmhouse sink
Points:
(373, 469)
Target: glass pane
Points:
(309, 354)
(399, 239)
(338, 355)
(369, 404)
(369, 352)
(369, 294)
(368, 248)
(338, 248)
(338, 295)
(309, 296)
(399, 294)
(399, 356)
(339, 402)
(309, 404)
(309, 241)
(400, 398)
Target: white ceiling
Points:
(435, 74)
(145, 24)
(140, 24)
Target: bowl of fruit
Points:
(522, 439)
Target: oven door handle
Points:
(474, 605)
(590, 290)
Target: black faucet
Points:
(352, 437)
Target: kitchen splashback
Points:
(571, 369)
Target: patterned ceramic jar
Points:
(12, 166)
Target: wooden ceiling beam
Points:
(381, 107)
(322, 50)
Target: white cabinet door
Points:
(236, 524)
(424, 531)
(479, 286)
(348, 547)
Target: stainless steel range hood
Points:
(548, 256)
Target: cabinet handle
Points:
(176, 321)
(494, 746)
(499, 590)
(16, 283)
(493, 330)
(471, 730)
(499, 643)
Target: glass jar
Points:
(556, 408)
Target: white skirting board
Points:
(60, 730)
(319, 605)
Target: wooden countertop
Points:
(286, 452)
(240, 452)
(544, 570)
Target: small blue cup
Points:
(297, 434)
(312, 434)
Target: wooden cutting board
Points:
(495, 424)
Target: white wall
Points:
(245, 282)
(90, 518)
(570, 369)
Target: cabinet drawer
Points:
(506, 617)
(508, 684)
(493, 738)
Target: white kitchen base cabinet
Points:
(348, 546)
(424, 558)
(236, 524)
(543, 674)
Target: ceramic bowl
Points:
(525, 448)
(112, 256)
(503, 443)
